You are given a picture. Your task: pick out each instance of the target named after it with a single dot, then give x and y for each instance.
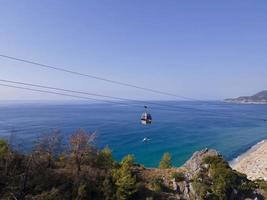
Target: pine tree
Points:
(124, 179)
(165, 162)
(104, 158)
(109, 189)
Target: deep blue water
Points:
(225, 127)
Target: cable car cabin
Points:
(146, 118)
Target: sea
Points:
(178, 127)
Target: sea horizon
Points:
(181, 127)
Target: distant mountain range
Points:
(259, 98)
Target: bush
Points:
(165, 162)
(201, 189)
(157, 184)
(215, 160)
(109, 189)
(178, 176)
(263, 186)
(128, 160)
(104, 158)
(224, 180)
(3, 148)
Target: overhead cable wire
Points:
(173, 108)
(98, 95)
(76, 96)
(97, 77)
(106, 96)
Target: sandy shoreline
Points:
(253, 163)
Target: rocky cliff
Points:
(204, 176)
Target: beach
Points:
(253, 163)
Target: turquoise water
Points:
(225, 127)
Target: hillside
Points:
(259, 98)
(83, 172)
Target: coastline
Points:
(245, 102)
(253, 162)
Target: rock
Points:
(193, 165)
(174, 185)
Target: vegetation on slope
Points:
(83, 172)
(219, 181)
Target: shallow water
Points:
(225, 127)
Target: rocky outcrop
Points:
(194, 163)
(196, 179)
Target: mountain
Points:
(259, 98)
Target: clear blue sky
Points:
(201, 49)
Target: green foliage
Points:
(200, 189)
(128, 160)
(3, 148)
(220, 180)
(157, 184)
(215, 160)
(124, 179)
(109, 189)
(261, 184)
(104, 158)
(100, 177)
(178, 176)
(224, 179)
(126, 184)
(82, 192)
(165, 162)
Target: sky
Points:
(200, 49)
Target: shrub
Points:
(263, 186)
(104, 158)
(200, 189)
(178, 176)
(215, 161)
(128, 160)
(3, 148)
(225, 180)
(157, 184)
(109, 189)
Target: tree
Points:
(104, 158)
(49, 145)
(109, 188)
(128, 161)
(165, 162)
(81, 146)
(124, 179)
